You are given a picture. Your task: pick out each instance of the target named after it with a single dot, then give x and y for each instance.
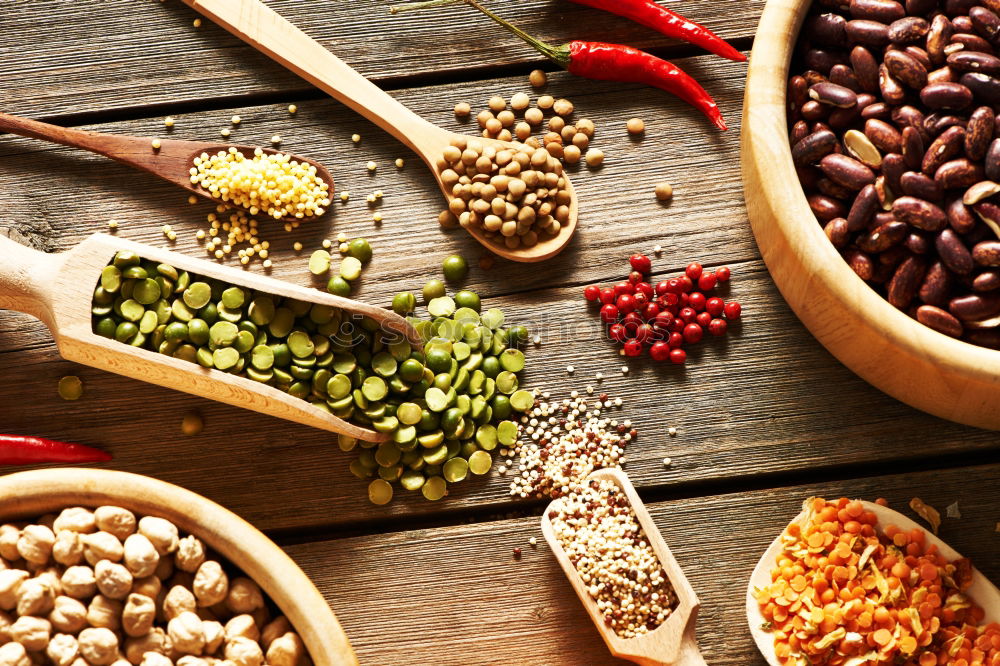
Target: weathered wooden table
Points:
(764, 417)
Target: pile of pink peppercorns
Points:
(666, 317)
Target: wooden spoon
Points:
(673, 642)
(171, 162)
(273, 35)
(58, 289)
(982, 591)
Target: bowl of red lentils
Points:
(871, 162)
(106, 567)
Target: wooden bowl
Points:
(923, 368)
(27, 495)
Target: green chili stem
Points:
(553, 53)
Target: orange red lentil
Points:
(843, 594)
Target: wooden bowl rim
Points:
(36, 492)
(767, 86)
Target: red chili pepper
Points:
(615, 62)
(25, 450)
(671, 24)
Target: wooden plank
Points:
(455, 595)
(68, 58)
(763, 401)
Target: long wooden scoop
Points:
(270, 33)
(58, 289)
(171, 161)
(672, 643)
(982, 591)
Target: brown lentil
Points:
(520, 101)
(534, 116)
(497, 104)
(595, 157)
(562, 107)
(537, 78)
(635, 126)
(664, 192)
(545, 102)
(462, 109)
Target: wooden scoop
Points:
(171, 162)
(273, 35)
(58, 289)
(672, 643)
(982, 591)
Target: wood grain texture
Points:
(455, 595)
(911, 362)
(72, 57)
(765, 400)
(31, 494)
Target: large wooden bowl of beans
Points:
(870, 156)
(178, 528)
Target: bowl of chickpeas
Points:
(105, 568)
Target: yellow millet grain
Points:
(274, 185)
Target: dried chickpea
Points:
(115, 520)
(244, 652)
(215, 635)
(562, 107)
(595, 157)
(113, 579)
(78, 582)
(62, 650)
(262, 616)
(138, 615)
(31, 632)
(635, 126)
(244, 596)
(104, 613)
(140, 555)
(155, 659)
(242, 625)
(211, 585)
(155, 642)
(149, 586)
(462, 109)
(98, 645)
(286, 650)
(68, 615)
(35, 544)
(68, 548)
(14, 654)
(178, 600)
(162, 533)
(497, 104)
(10, 582)
(279, 626)
(190, 554)
(102, 546)
(9, 535)
(35, 596)
(186, 633)
(537, 78)
(75, 519)
(5, 621)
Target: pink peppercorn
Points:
(592, 293)
(650, 310)
(644, 333)
(702, 319)
(635, 277)
(624, 288)
(646, 289)
(607, 295)
(633, 348)
(733, 310)
(660, 351)
(707, 281)
(641, 263)
(693, 271)
(675, 340)
(632, 322)
(609, 314)
(687, 314)
(717, 327)
(678, 355)
(693, 333)
(686, 283)
(723, 274)
(625, 303)
(617, 332)
(674, 286)
(662, 287)
(715, 306)
(696, 300)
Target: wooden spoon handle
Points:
(103, 144)
(270, 33)
(25, 276)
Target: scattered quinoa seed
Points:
(297, 246)
(658, 250)
(570, 369)
(371, 166)
(537, 78)
(533, 541)
(356, 138)
(266, 264)
(196, 23)
(345, 196)
(292, 108)
(624, 369)
(192, 424)
(399, 162)
(168, 121)
(225, 132)
(192, 199)
(667, 462)
(276, 138)
(672, 431)
(155, 143)
(112, 224)
(235, 120)
(537, 340)
(327, 243)
(377, 218)
(341, 237)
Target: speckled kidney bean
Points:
(828, 29)
(985, 22)
(860, 263)
(940, 320)
(958, 174)
(882, 11)
(936, 285)
(882, 237)
(960, 217)
(918, 185)
(985, 87)
(975, 306)
(919, 213)
(979, 133)
(905, 282)
(947, 146)
(987, 253)
(946, 95)
(953, 252)
(908, 29)
(846, 171)
(814, 147)
(862, 209)
(986, 281)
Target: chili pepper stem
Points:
(558, 54)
